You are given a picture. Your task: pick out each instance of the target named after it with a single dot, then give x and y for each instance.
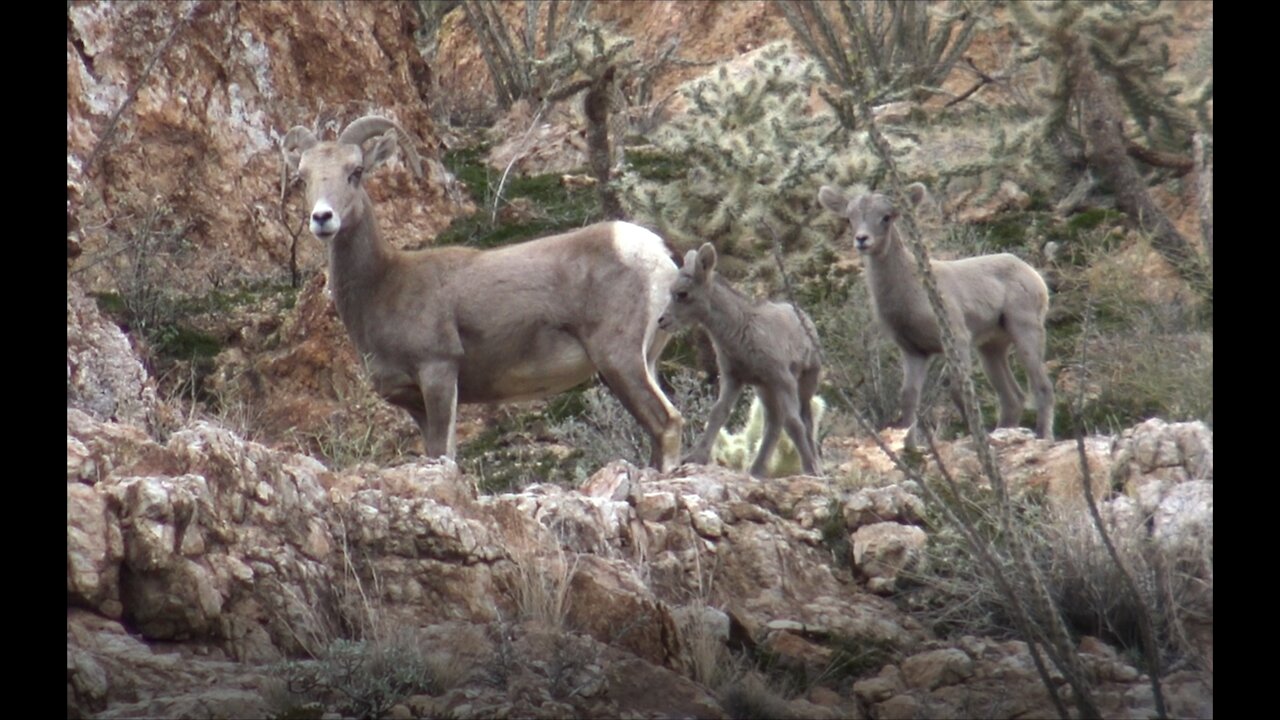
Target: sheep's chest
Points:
(912, 331)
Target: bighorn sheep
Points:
(992, 301)
(458, 325)
(771, 346)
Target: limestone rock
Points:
(94, 551)
(884, 685)
(104, 377)
(893, 503)
(882, 550)
(611, 605)
(935, 668)
(1176, 452)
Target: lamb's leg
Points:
(803, 441)
(1028, 339)
(774, 412)
(915, 368)
(439, 383)
(730, 388)
(995, 363)
(808, 387)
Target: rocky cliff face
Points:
(210, 89)
(196, 560)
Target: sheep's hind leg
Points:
(774, 414)
(802, 439)
(808, 386)
(995, 363)
(1029, 341)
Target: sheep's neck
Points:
(728, 319)
(892, 275)
(358, 260)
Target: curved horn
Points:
(368, 126)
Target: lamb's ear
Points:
(706, 260)
(916, 192)
(833, 200)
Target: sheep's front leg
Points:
(439, 384)
(730, 388)
(914, 370)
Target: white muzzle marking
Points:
(325, 222)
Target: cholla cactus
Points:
(738, 450)
(749, 151)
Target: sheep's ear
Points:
(296, 142)
(382, 149)
(916, 192)
(706, 260)
(690, 260)
(833, 200)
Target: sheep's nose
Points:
(862, 239)
(322, 216)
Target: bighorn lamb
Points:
(771, 346)
(458, 325)
(992, 301)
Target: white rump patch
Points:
(646, 252)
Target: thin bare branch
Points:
(109, 133)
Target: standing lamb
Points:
(993, 301)
(771, 346)
(453, 325)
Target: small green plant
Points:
(835, 534)
(519, 449)
(856, 657)
(553, 206)
(751, 698)
(359, 678)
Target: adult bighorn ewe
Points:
(992, 302)
(771, 346)
(453, 325)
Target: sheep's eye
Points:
(356, 175)
(886, 219)
(682, 295)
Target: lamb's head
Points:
(333, 172)
(871, 215)
(689, 300)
